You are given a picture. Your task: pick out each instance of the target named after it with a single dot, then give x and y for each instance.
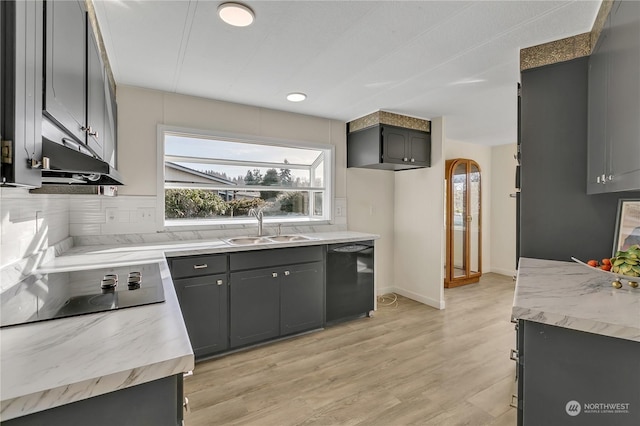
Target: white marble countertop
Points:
(573, 296)
(51, 363)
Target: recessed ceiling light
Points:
(236, 14)
(296, 97)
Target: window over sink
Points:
(211, 179)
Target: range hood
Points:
(70, 166)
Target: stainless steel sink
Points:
(247, 240)
(288, 238)
(243, 241)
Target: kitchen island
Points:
(578, 346)
(54, 363)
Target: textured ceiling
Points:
(421, 58)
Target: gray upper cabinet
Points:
(614, 103)
(388, 147)
(65, 66)
(21, 91)
(96, 99)
(110, 141)
(78, 98)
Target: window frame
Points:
(198, 224)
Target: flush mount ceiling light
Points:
(296, 97)
(236, 14)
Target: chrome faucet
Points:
(258, 214)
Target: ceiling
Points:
(457, 59)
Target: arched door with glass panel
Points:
(464, 232)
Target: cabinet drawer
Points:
(197, 266)
(277, 257)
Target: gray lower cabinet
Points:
(201, 283)
(272, 302)
(568, 377)
(157, 403)
(275, 293)
(204, 309)
(244, 298)
(254, 306)
(301, 298)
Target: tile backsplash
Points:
(30, 224)
(99, 215)
(33, 223)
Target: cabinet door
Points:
(558, 365)
(597, 115)
(110, 140)
(65, 65)
(623, 115)
(301, 298)
(21, 89)
(96, 99)
(419, 148)
(394, 145)
(203, 301)
(254, 306)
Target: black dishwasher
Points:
(349, 280)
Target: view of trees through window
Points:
(228, 178)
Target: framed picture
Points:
(627, 225)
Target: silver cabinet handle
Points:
(405, 159)
(610, 178)
(274, 274)
(514, 355)
(219, 282)
(185, 404)
(287, 272)
(204, 265)
(598, 179)
(89, 131)
(603, 179)
(413, 160)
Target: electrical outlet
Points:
(338, 211)
(111, 214)
(145, 214)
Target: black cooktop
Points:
(55, 295)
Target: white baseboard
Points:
(384, 290)
(501, 271)
(438, 304)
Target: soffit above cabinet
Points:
(384, 117)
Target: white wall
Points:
(419, 227)
(503, 209)
(141, 110)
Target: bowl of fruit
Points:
(624, 266)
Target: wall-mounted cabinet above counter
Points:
(388, 141)
(58, 106)
(614, 103)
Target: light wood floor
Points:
(408, 365)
